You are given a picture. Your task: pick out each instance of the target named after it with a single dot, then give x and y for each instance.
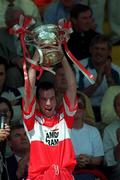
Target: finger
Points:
(3, 137)
(7, 129)
(7, 126)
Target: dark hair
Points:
(45, 85)
(12, 16)
(78, 9)
(101, 39)
(4, 100)
(82, 97)
(16, 126)
(3, 62)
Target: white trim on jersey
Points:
(26, 130)
(28, 116)
(59, 131)
(67, 109)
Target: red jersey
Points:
(51, 151)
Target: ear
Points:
(110, 52)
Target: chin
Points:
(49, 115)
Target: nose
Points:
(23, 137)
(48, 102)
(99, 51)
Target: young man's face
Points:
(47, 102)
(84, 21)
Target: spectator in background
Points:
(97, 7)
(111, 141)
(10, 48)
(12, 94)
(6, 109)
(83, 32)
(6, 114)
(27, 6)
(87, 142)
(105, 72)
(111, 9)
(57, 10)
(42, 4)
(108, 113)
(17, 164)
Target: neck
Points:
(21, 154)
(78, 124)
(75, 28)
(97, 65)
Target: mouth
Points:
(48, 110)
(98, 56)
(24, 143)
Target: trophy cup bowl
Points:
(47, 39)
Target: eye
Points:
(52, 98)
(43, 99)
(17, 135)
(81, 106)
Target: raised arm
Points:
(71, 81)
(32, 80)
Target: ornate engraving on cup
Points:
(48, 38)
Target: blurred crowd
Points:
(96, 130)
